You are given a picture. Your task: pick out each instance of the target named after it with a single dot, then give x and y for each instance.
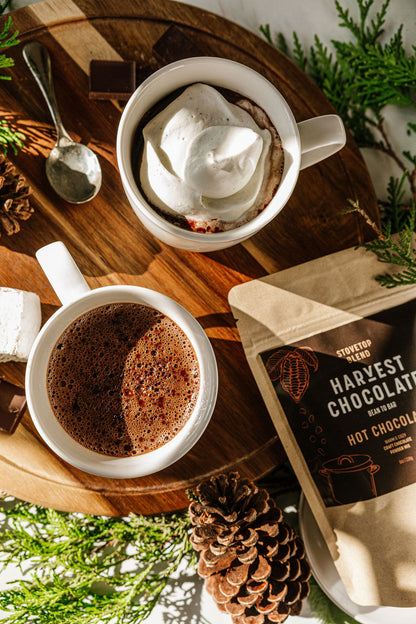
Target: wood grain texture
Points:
(111, 247)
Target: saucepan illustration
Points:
(351, 477)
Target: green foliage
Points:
(398, 250)
(4, 5)
(361, 77)
(10, 138)
(7, 39)
(88, 569)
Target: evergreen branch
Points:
(364, 34)
(10, 138)
(347, 22)
(411, 158)
(399, 251)
(77, 564)
(387, 148)
(5, 62)
(355, 207)
(298, 53)
(265, 30)
(404, 278)
(379, 75)
(8, 39)
(281, 43)
(395, 213)
(4, 5)
(361, 77)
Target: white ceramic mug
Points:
(304, 143)
(77, 298)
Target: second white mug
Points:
(78, 299)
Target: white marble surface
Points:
(185, 601)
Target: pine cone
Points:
(14, 197)
(252, 561)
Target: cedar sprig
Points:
(363, 32)
(361, 77)
(88, 569)
(399, 251)
(395, 210)
(4, 5)
(7, 39)
(10, 138)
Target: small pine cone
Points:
(253, 562)
(14, 197)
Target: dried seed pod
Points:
(14, 197)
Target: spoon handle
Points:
(38, 60)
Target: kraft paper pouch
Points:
(334, 356)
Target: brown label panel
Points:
(349, 395)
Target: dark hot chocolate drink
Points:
(123, 379)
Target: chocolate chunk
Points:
(12, 405)
(174, 45)
(112, 80)
(116, 80)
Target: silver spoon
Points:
(72, 169)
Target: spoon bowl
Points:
(72, 169)
(74, 172)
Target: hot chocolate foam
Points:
(123, 379)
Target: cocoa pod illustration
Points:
(295, 376)
(290, 367)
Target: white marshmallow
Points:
(20, 321)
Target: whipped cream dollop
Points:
(204, 158)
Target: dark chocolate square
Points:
(175, 45)
(12, 405)
(112, 79)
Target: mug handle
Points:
(320, 137)
(63, 274)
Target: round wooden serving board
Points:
(111, 247)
